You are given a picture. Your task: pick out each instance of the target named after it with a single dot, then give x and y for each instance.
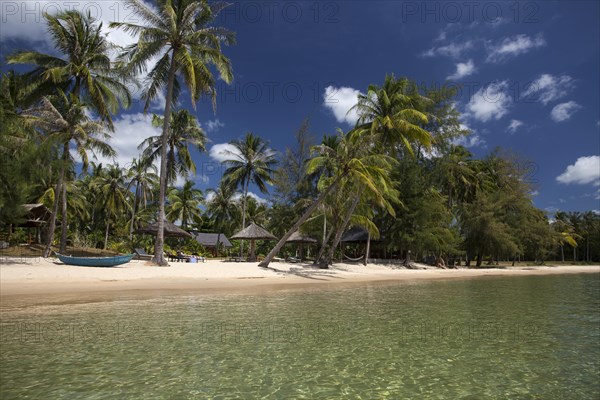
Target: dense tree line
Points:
(398, 174)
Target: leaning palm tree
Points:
(180, 35)
(350, 160)
(184, 132)
(65, 122)
(184, 204)
(250, 160)
(85, 70)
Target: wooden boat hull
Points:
(95, 261)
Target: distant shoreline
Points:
(42, 281)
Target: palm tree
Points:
(391, 113)
(143, 176)
(111, 186)
(456, 174)
(250, 161)
(566, 232)
(222, 208)
(184, 204)
(86, 69)
(180, 35)
(184, 131)
(64, 120)
(349, 160)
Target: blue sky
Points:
(529, 73)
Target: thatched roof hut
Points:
(297, 237)
(37, 215)
(253, 233)
(170, 229)
(210, 239)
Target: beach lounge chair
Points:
(140, 254)
(178, 257)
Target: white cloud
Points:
(453, 50)
(340, 101)
(535, 193)
(564, 111)
(130, 131)
(491, 102)
(238, 196)
(585, 170)
(471, 140)
(24, 20)
(222, 151)
(462, 70)
(213, 126)
(549, 88)
(159, 102)
(514, 125)
(513, 46)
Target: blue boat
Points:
(95, 261)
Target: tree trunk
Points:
(65, 222)
(368, 249)
(479, 260)
(588, 249)
(135, 201)
(562, 253)
(324, 229)
(338, 235)
(265, 263)
(159, 244)
(244, 213)
(574, 253)
(324, 246)
(63, 226)
(106, 232)
(57, 192)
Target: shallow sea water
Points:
(535, 337)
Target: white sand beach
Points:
(38, 276)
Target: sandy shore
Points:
(39, 277)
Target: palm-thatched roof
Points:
(37, 214)
(170, 230)
(297, 237)
(254, 232)
(210, 239)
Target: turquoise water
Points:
(515, 337)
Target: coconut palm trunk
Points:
(57, 194)
(133, 210)
(368, 249)
(65, 221)
(106, 231)
(265, 263)
(324, 246)
(247, 183)
(338, 235)
(159, 244)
